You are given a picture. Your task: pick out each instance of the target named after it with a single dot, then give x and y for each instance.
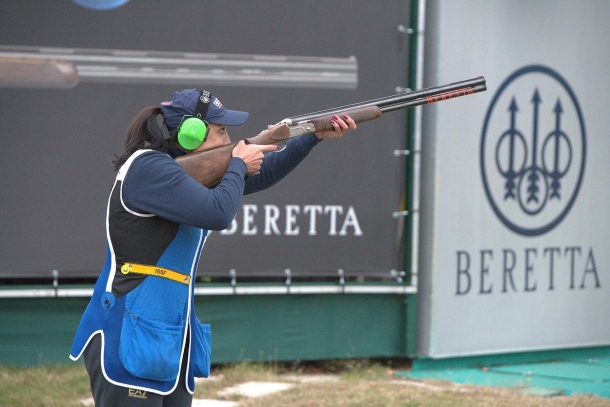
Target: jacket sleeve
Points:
(277, 165)
(156, 184)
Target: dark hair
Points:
(144, 132)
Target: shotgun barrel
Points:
(404, 100)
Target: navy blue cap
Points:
(183, 103)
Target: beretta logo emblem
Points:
(533, 150)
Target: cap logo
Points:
(205, 96)
(217, 103)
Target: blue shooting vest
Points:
(145, 327)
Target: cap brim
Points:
(231, 118)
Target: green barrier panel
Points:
(283, 327)
(303, 327)
(593, 352)
(37, 331)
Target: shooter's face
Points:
(217, 136)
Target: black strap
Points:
(203, 103)
(161, 123)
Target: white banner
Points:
(515, 224)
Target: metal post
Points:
(233, 274)
(414, 135)
(55, 274)
(288, 275)
(419, 83)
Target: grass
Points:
(357, 383)
(48, 386)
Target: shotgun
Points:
(208, 167)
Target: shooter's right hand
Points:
(252, 154)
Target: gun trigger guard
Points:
(283, 145)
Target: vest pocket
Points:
(202, 349)
(150, 349)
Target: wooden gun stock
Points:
(208, 167)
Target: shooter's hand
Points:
(252, 154)
(340, 126)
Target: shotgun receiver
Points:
(208, 167)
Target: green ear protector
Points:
(193, 130)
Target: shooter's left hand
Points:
(340, 125)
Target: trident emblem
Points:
(537, 176)
(533, 150)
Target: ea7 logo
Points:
(139, 394)
(533, 150)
